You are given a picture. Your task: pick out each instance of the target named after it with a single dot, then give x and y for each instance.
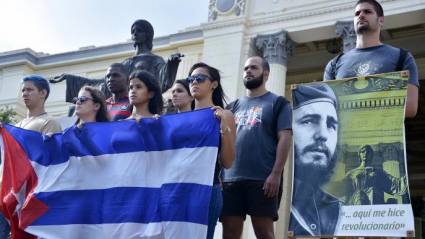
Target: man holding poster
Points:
(371, 56)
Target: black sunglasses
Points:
(198, 78)
(81, 99)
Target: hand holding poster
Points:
(350, 176)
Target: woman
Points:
(145, 95)
(90, 106)
(206, 89)
(181, 97)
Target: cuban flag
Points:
(123, 179)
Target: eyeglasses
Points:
(81, 99)
(198, 78)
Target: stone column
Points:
(345, 30)
(276, 48)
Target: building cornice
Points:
(311, 11)
(282, 16)
(236, 21)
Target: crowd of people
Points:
(256, 129)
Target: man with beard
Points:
(252, 185)
(314, 212)
(117, 81)
(371, 56)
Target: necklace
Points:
(29, 120)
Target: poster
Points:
(350, 172)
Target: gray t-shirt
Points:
(256, 135)
(371, 60)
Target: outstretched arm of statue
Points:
(74, 84)
(169, 71)
(393, 185)
(176, 57)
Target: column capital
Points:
(275, 47)
(345, 30)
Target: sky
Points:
(54, 26)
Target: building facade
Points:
(298, 38)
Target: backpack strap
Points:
(401, 59)
(333, 65)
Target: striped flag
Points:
(124, 179)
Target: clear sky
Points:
(53, 26)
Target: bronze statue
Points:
(142, 34)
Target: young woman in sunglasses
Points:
(90, 106)
(145, 95)
(207, 91)
(181, 97)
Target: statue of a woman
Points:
(142, 34)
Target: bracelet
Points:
(225, 130)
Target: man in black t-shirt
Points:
(251, 185)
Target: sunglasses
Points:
(81, 99)
(198, 78)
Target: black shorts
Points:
(247, 197)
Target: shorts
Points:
(247, 197)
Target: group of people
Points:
(138, 96)
(256, 129)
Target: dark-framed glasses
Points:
(198, 78)
(81, 99)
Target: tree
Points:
(7, 115)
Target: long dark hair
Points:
(218, 96)
(98, 97)
(155, 103)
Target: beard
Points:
(362, 29)
(314, 174)
(254, 83)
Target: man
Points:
(35, 91)
(367, 183)
(314, 212)
(117, 81)
(142, 34)
(251, 186)
(371, 56)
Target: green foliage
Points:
(7, 115)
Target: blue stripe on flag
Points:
(171, 202)
(186, 130)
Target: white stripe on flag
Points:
(138, 169)
(169, 230)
